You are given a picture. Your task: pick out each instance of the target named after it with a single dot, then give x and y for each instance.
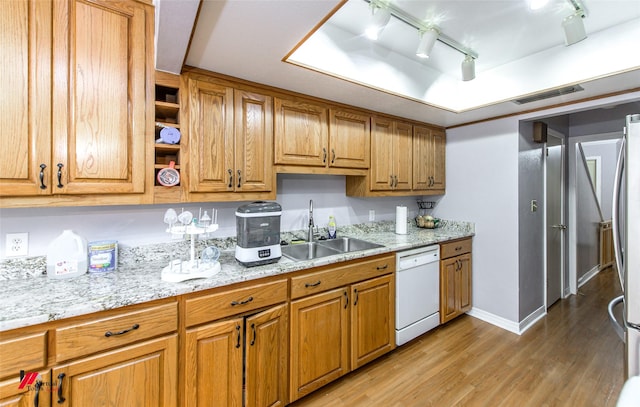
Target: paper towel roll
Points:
(401, 220)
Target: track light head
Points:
(428, 39)
(468, 68)
(379, 20)
(573, 27)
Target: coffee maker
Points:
(258, 233)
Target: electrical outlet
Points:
(17, 245)
(372, 215)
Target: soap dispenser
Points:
(332, 228)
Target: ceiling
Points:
(316, 47)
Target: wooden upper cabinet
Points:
(26, 97)
(349, 139)
(382, 156)
(75, 122)
(230, 138)
(211, 158)
(253, 141)
(301, 133)
(428, 159)
(99, 92)
(390, 155)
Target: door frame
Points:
(563, 240)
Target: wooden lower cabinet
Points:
(144, 374)
(319, 340)
(455, 281)
(37, 393)
(372, 319)
(340, 330)
(219, 353)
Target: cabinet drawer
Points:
(113, 331)
(337, 276)
(455, 248)
(207, 308)
(28, 353)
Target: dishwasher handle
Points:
(417, 259)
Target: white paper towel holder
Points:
(401, 220)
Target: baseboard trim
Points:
(588, 275)
(494, 320)
(500, 322)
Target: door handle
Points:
(559, 226)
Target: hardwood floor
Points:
(572, 357)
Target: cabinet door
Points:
(25, 97)
(253, 142)
(266, 360)
(139, 375)
(33, 393)
(464, 284)
(402, 156)
(210, 164)
(349, 139)
(448, 292)
(213, 369)
(381, 171)
(99, 91)
(301, 133)
(319, 341)
(372, 319)
(438, 159)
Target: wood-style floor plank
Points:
(572, 357)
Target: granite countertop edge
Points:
(31, 301)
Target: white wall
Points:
(139, 225)
(482, 186)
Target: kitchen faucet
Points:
(311, 225)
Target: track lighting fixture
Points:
(468, 68)
(429, 34)
(381, 16)
(428, 39)
(573, 26)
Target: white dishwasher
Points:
(417, 292)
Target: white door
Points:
(555, 219)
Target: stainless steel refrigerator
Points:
(626, 238)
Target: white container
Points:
(67, 256)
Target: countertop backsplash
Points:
(33, 267)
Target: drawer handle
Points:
(248, 300)
(60, 398)
(458, 248)
(382, 267)
(124, 331)
(317, 283)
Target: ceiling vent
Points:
(549, 94)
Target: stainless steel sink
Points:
(349, 244)
(307, 251)
(323, 248)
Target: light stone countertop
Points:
(28, 297)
